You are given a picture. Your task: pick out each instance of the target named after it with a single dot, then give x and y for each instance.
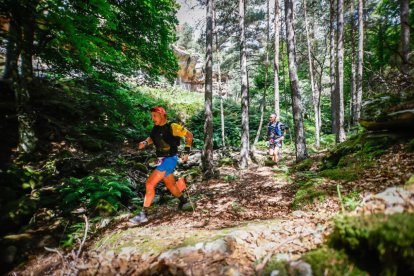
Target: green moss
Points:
(304, 165)
(358, 148)
(274, 264)
(328, 261)
(346, 174)
(307, 193)
(380, 244)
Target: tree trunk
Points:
(405, 35)
(360, 60)
(313, 88)
(300, 142)
(276, 59)
(353, 96)
(263, 101)
(207, 156)
(219, 75)
(340, 132)
(21, 44)
(332, 64)
(13, 49)
(244, 150)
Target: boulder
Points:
(391, 112)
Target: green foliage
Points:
(100, 193)
(229, 178)
(19, 198)
(232, 127)
(379, 243)
(328, 261)
(307, 193)
(180, 104)
(235, 207)
(101, 37)
(352, 200)
(185, 36)
(227, 161)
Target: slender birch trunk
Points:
(276, 59)
(353, 96)
(244, 150)
(332, 59)
(340, 131)
(219, 75)
(360, 60)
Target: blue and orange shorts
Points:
(168, 165)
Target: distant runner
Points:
(275, 136)
(165, 136)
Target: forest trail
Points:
(241, 219)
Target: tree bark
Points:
(312, 82)
(300, 142)
(332, 60)
(353, 96)
(340, 131)
(405, 35)
(22, 26)
(263, 101)
(276, 59)
(360, 60)
(207, 156)
(244, 150)
(223, 142)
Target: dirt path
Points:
(241, 218)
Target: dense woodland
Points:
(78, 81)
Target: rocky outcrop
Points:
(190, 76)
(393, 112)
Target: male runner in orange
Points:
(166, 138)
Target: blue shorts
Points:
(168, 165)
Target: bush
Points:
(100, 194)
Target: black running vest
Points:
(165, 143)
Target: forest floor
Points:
(241, 219)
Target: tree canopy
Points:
(99, 36)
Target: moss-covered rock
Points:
(304, 165)
(274, 265)
(360, 148)
(378, 243)
(346, 174)
(392, 112)
(328, 261)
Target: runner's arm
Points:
(145, 143)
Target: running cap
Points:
(159, 109)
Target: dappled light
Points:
(189, 137)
